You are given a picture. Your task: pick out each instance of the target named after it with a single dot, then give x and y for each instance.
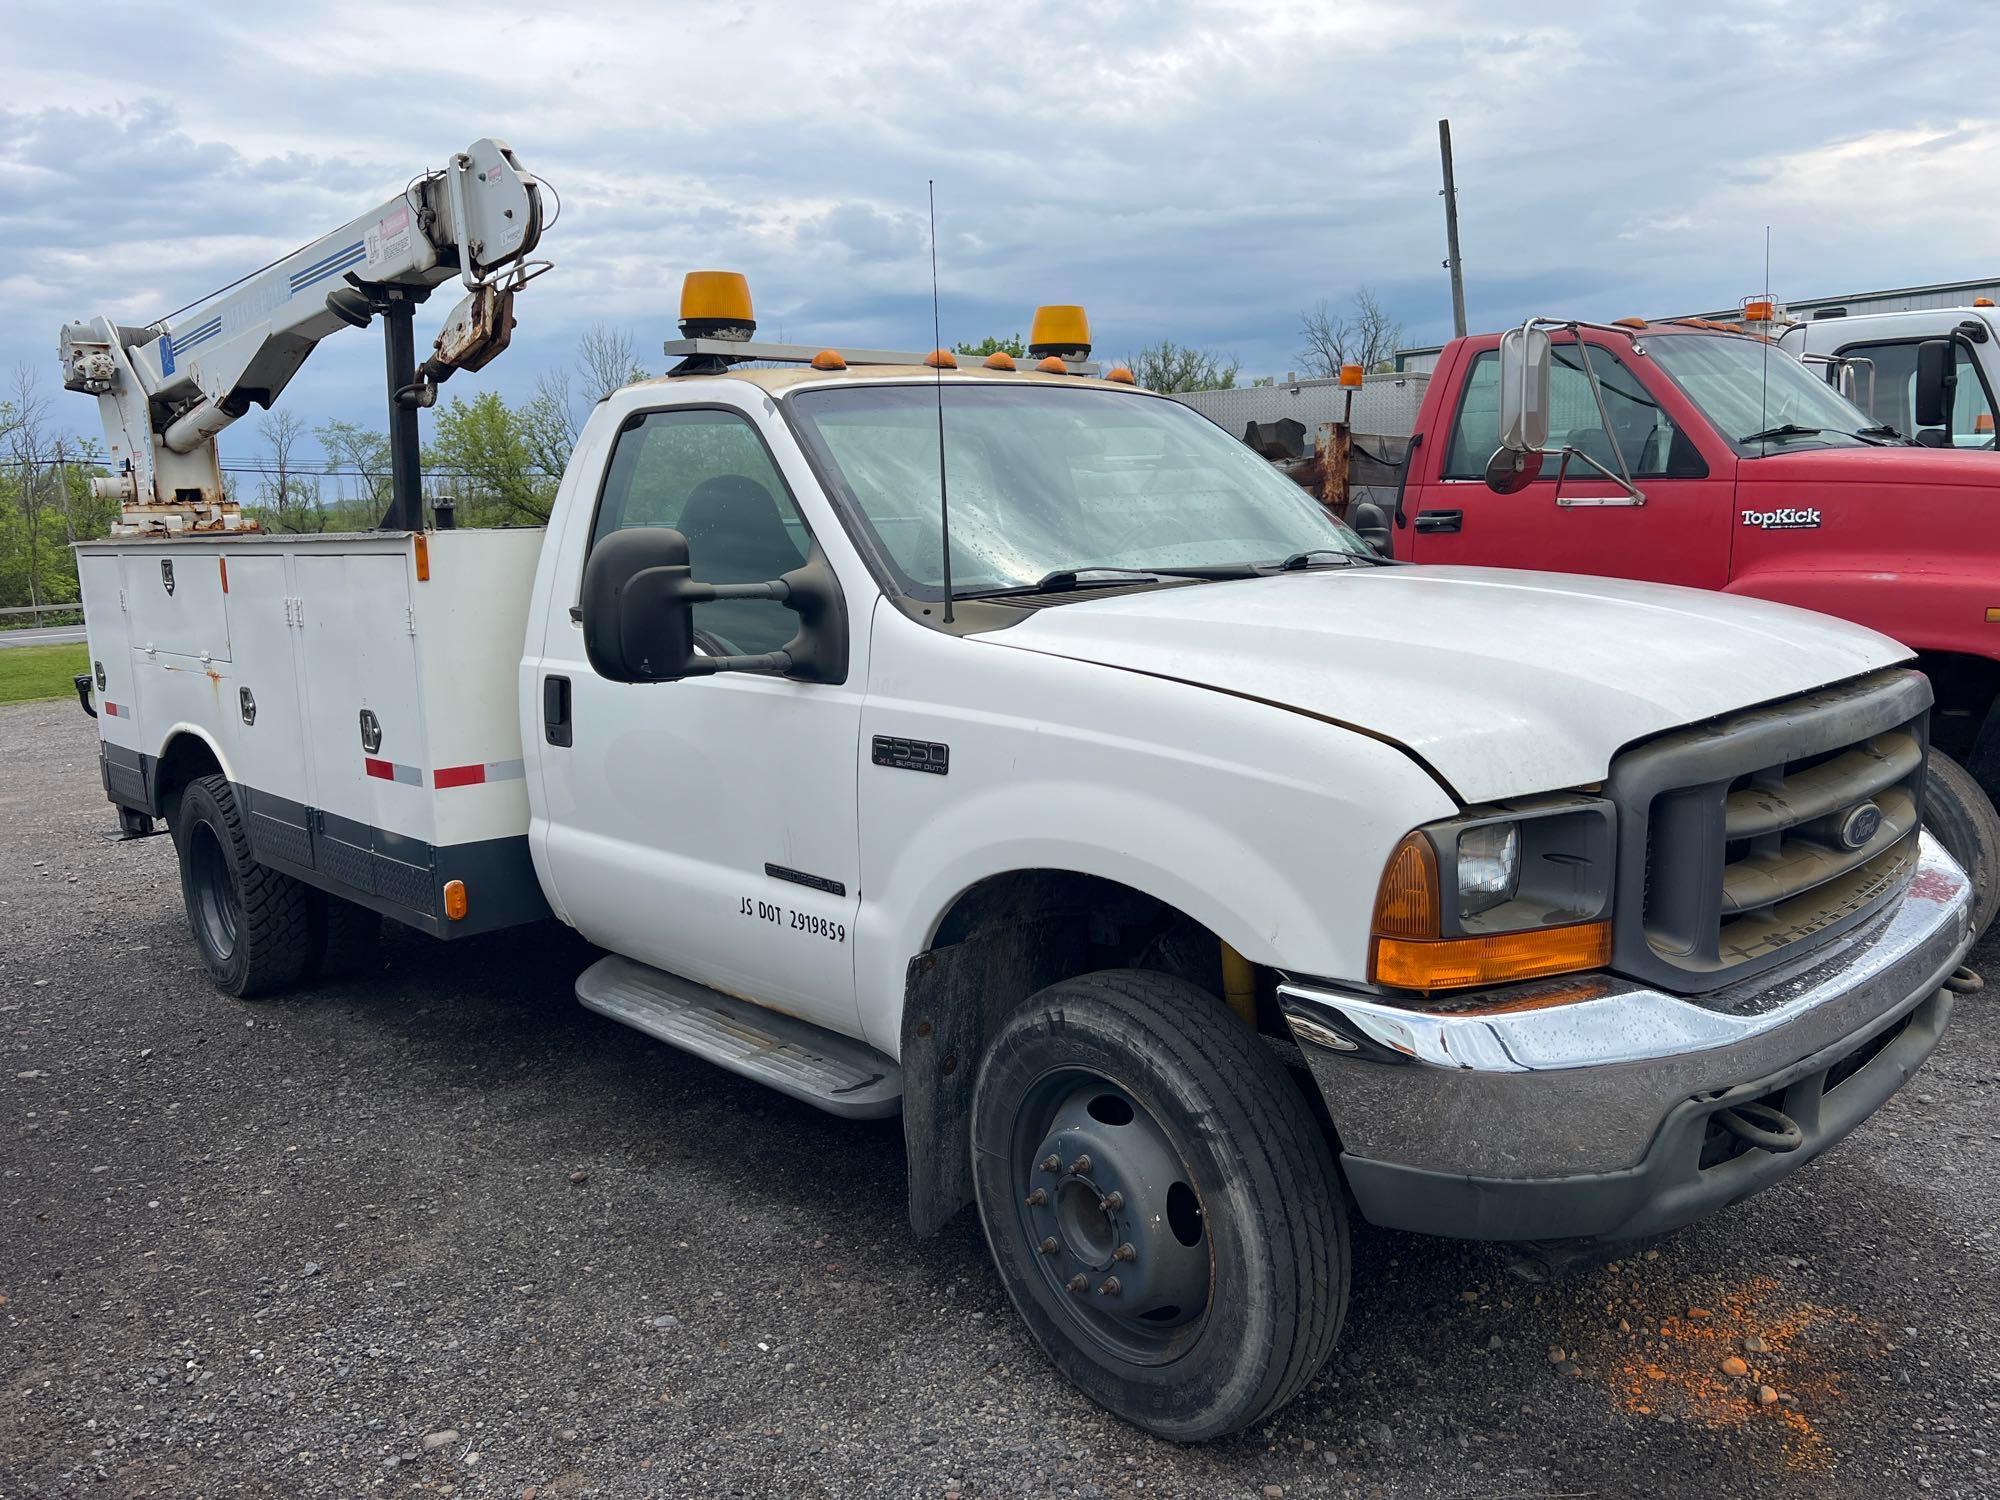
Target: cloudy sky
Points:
(1199, 171)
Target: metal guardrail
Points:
(74, 607)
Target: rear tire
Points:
(252, 925)
(1185, 1263)
(1961, 817)
(346, 938)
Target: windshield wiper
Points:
(1880, 430)
(1782, 430)
(1299, 561)
(1063, 580)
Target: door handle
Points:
(556, 727)
(1440, 520)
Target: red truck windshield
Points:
(1758, 397)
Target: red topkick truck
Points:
(1692, 453)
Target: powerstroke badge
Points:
(1789, 519)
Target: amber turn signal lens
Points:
(1454, 963)
(1406, 903)
(455, 905)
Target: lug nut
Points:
(1111, 1202)
(1049, 1246)
(1125, 1251)
(1052, 1163)
(1109, 1286)
(1079, 1166)
(1078, 1282)
(1038, 1197)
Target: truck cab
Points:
(1698, 455)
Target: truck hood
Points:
(1503, 683)
(1929, 467)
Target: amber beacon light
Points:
(1061, 330)
(716, 305)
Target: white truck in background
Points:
(1012, 750)
(1930, 373)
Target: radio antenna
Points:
(937, 364)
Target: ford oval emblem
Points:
(1860, 825)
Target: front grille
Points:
(1744, 838)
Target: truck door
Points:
(706, 826)
(1679, 535)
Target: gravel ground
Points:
(440, 1231)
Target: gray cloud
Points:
(1200, 171)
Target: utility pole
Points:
(1452, 263)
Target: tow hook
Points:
(82, 680)
(1965, 980)
(1762, 1125)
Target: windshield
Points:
(1747, 387)
(1044, 478)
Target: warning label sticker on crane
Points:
(390, 238)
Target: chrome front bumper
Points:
(1578, 1107)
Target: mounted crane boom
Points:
(165, 390)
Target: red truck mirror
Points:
(1525, 358)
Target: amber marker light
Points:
(999, 359)
(1350, 376)
(828, 359)
(455, 905)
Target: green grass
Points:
(30, 672)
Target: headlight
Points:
(1516, 892)
(1489, 866)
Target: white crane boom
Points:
(165, 390)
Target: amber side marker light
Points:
(455, 905)
(1407, 952)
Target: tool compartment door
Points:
(364, 724)
(176, 600)
(268, 732)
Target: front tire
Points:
(1961, 817)
(252, 925)
(1160, 1203)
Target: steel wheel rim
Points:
(1119, 1208)
(218, 910)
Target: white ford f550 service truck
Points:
(1176, 869)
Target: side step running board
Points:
(821, 1067)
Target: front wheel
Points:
(1961, 817)
(1160, 1203)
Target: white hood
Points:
(1505, 683)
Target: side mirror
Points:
(1937, 377)
(638, 616)
(639, 595)
(1511, 470)
(1525, 360)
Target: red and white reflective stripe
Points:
(388, 770)
(115, 711)
(446, 776)
(492, 770)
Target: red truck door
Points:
(1680, 534)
